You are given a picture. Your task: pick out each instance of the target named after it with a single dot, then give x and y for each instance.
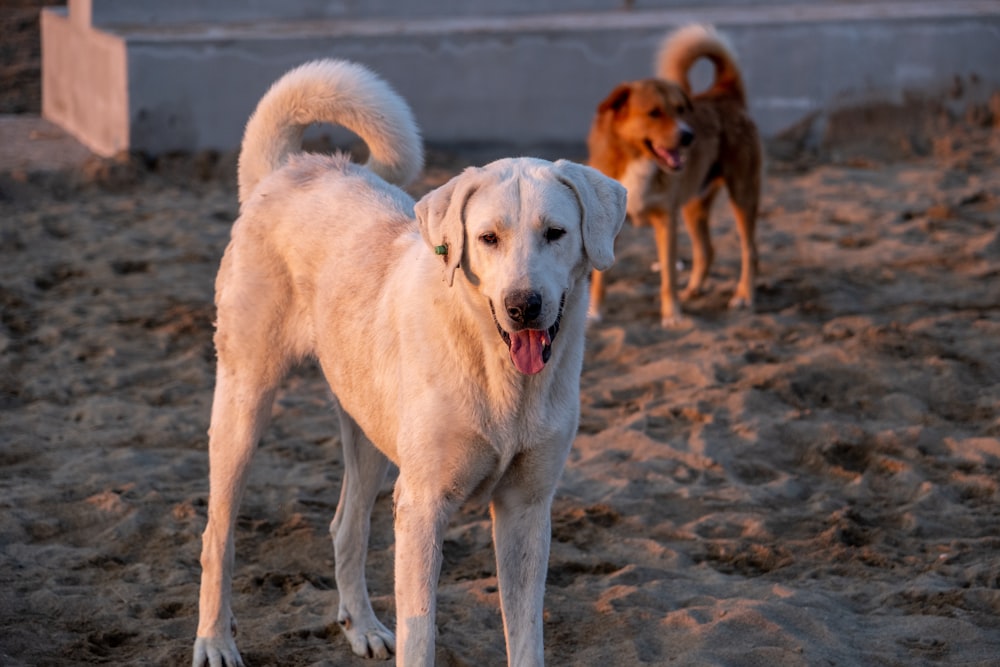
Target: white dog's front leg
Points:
(420, 522)
(522, 530)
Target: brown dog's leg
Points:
(744, 199)
(597, 289)
(743, 181)
(746, 220)
(665, 230)
(696, 213)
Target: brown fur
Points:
(673, 150)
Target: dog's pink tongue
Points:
(526, 349)
(671, 157)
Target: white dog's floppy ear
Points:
(441, 214)
(602, 201)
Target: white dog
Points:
(437, 334)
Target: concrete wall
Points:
(519, 78)
(106, 13)
(85, 83)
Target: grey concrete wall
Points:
(106, 13)
(526, 78)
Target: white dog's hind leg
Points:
(364, 471)
(240, 412)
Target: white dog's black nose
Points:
(523, 306)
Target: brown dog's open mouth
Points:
(530, 349)
(671, 159)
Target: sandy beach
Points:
(815, 483)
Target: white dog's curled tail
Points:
(683, 47)
(340, 93)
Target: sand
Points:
(814, 483)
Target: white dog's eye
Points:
(554, 234)
(489, 238)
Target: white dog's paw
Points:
(370, 639)
(216, 652)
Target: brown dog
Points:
(673, 149)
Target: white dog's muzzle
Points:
(530, 349)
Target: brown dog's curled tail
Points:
(683, 47)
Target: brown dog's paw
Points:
(675, 321)
(741, 302)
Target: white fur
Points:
(328, 260)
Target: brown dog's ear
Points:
(602, 206)
(441, 215)
(616, 99)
